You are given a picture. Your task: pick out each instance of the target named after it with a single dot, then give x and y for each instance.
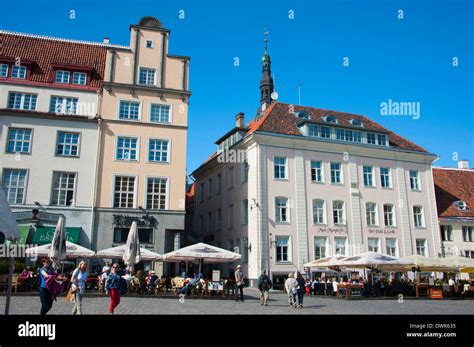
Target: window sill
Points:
(318, 182)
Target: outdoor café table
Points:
(216, 287)
(422, 289)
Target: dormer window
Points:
(79, 78)
(3, 70)
(19, 72)
(357, 122)
(461, 205)
(62, 76)
(302, 114)
(330, 119)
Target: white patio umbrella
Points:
(458, 261)
(372, 260)
(57, 251)
(325, 262)
(131, 256)
(204, 252)
(9, 229)
(73, 251)
(119, 251)
(426, 264)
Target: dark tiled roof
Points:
(279, 118)
(453, 185)
(44, 52)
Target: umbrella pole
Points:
(11, 268)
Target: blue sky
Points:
(409, 60)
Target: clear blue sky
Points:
(403, 60)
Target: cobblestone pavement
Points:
(277, 305)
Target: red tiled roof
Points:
(44, 52)
(279, 118)
(453, 185)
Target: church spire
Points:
(266, 82)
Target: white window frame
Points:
(316, 170)
(395, 254)
(149, 69)
(33, 101)
(64, 104)
(16, 187)
(425, 247)
(369, 247)
(80, 75)
(6, 68)
(22, 72)
(284, 166)
(68, 144)
(168, 151)
(417, 186)
(341, 174)
(137, 149)
(387, 178)
(421, 218)
(316, 209)
(59, 189)
(170, 113)
(135, 189)
(326, 247)
(167, 195)
(388, 213)
(279, 210)
(341, 214)
(371, 212)
(63, 74)
(336, 238)
(21, 140)
(288, 252)
(446, 230)
(368, 176)
(119, 102)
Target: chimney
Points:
(463, 164)
(239, 120)
(106, 40)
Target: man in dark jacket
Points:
(264, 285)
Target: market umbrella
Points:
(131, 256)
(119, 251)
(57, 252)
(8, 231)
(325, 262)
(203, 252)
(73, 251)
(372, 260)
(458, 261)
(426, 264)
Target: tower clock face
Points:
(274, 95)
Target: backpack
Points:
(123, 286)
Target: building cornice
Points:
(109, 85)
(148, 124)
(47, 115)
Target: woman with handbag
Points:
(78, 286)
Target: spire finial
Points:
(265, 33)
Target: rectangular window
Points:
(340, 134)
(219, 184)
(385, 177)
(368, 176)
(282, 244)
(371, 138)
(340, 245)
(371, 213)
(201, 193)
(381, 139)
(126, 148)
(325, 132)
(149, 43)
(129, 110)
(336, 173)
(414, 180)
(67, 144)
(357, 136)
(160, 113)
(230, 217)
(391, 246)
(209, 222)
(156, 193)
(22, 101)
(373, 244)
(421, 247)
(62, 76)
(63, 189)
(319, 211)
(320, 247)
(124, 192)
(218, 219)
(349, 135)
(79, 78)
(468, 234)
(280, 167)
(418, 217)
(316, 171)
(63, 105)
(339, 214)
(3, 70)
(245, 171)
(209, 188)
(230, 181)
(389, 215)
(19, 72)
(469, 254)
(147, 76)
(245, 212)
(19, 140)
(145, 235)
(201, 224)
(446, 232)
(158, 150)
(281, 210)
(14, 185)
(313, 130)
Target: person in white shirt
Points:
(334, 285)
(78, 283)
(451, 282)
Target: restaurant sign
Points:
(36, 216)
(355, 293)
(381, 231)
(332, 230)
(146, 220)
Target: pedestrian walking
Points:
(78, 285)
(45, 294)
(264, 285)
(239, 283)
(112, 287)
(301, 288)
(291, 286)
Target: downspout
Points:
(135, 56)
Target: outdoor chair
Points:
(160, 285)
(329, 289)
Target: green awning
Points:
(24, 231)
(44, 235)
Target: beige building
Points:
(142, 165)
